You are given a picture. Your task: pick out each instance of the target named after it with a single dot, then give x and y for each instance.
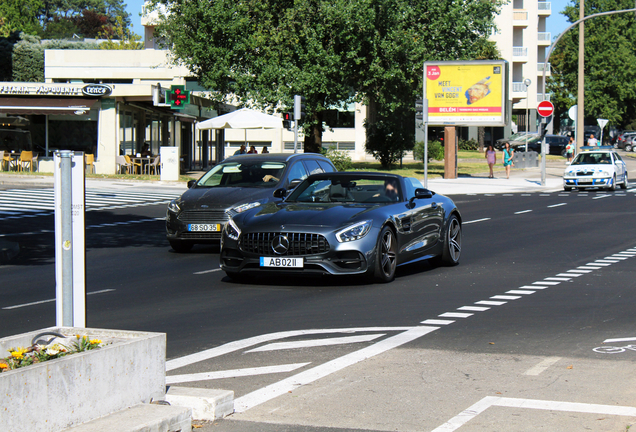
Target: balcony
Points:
(544, 38)
(541, 66)
(545, 8)
(519, 87)
(520, 54)
(520, 18)
(540, 97)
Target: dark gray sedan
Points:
(200, 214)
(344, 223)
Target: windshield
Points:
(244, 174)
(592, 159)
(350, 189)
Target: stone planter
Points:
(57, 394)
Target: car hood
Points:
(294, 216)
(592, 168)
(222, 198)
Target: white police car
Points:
(599, 167)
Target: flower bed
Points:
(59, 389)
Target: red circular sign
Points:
(432, 72)
(545, 108)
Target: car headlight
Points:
(570, 174)
(603, 174)
(174, 207)
(245, 207)
(354, 232)
(231, 230)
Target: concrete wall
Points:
(77, 388)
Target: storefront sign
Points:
(471, 93)
(40, 89)
(96, 90)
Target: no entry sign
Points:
(545, 108)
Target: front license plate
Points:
(204, 227)
(281, 262)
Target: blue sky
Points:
(556, 22)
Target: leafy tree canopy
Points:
(330, 51)
(19, 15)
(610, 80)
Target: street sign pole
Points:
(545, 109)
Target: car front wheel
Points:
(628, 147)
(612, 187)
(385, 256)
(625, 183)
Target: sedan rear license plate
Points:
(281, 262)
(204, 227)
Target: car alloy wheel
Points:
(628, 147)
(453, 244)
(612, 187)
(386, 256)
(625, 183)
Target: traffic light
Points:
(287, 120)
(299, 107)
(419, 109)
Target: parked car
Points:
(344, 223)
(519, 136)
(625, 141)
(200, 214)
(557, 144)
(600, 167)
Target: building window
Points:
(341, 146)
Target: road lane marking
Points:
(606, 261)
(545, 282)
(542, 366)
(235, 373)
(476, 220)
(505, 297)
(562, 279)
(533, 287)
(455, 315)
(617, 257)
(437, 322)
(485, 403)
(600, 197)
(588, 267)
(474, 308)
(620, 340)
(207, 271)
(239, 345)
(51, 300)
(596, 263)
(492, 303)
(570, 275)
(579, 271)
(522, 212)
(272, 391)
(520, 292)
(557, 205)
(276, 346)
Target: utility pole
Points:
(580, 119)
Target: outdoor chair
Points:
(122, 165)
(133, 165)
(153, 166)
(90, 162)
(25, 160)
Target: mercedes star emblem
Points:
(280, 244)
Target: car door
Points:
(620, 168)
(420, 223)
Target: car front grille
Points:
(584, 173)
(201, 235)
(203, 216)
(299, 243)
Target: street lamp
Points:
(527, 82)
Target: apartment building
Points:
(523, 40)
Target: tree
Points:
(18, 16)
(84, 18)
(610, 80)
(332, 52)
(125, 39)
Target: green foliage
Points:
(390, 136)
(27, 56)
(126, 40)
(610, 78)
(66, 19)
(470, 144)
(18, 16)
(340, 159)
(330, 51)
(435, 151)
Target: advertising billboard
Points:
(466, 93)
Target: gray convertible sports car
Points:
(344, 223)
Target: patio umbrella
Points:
(244, 118)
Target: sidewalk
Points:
(521, 180)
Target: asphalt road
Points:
(517, 321)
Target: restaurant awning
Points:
(42, 106)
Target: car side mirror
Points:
(280, 193)
(191, 183)
(421, 193)
(294, 183)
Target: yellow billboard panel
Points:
(471, 93)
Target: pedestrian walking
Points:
(569, 149)
(491, 159)
(508, 154)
